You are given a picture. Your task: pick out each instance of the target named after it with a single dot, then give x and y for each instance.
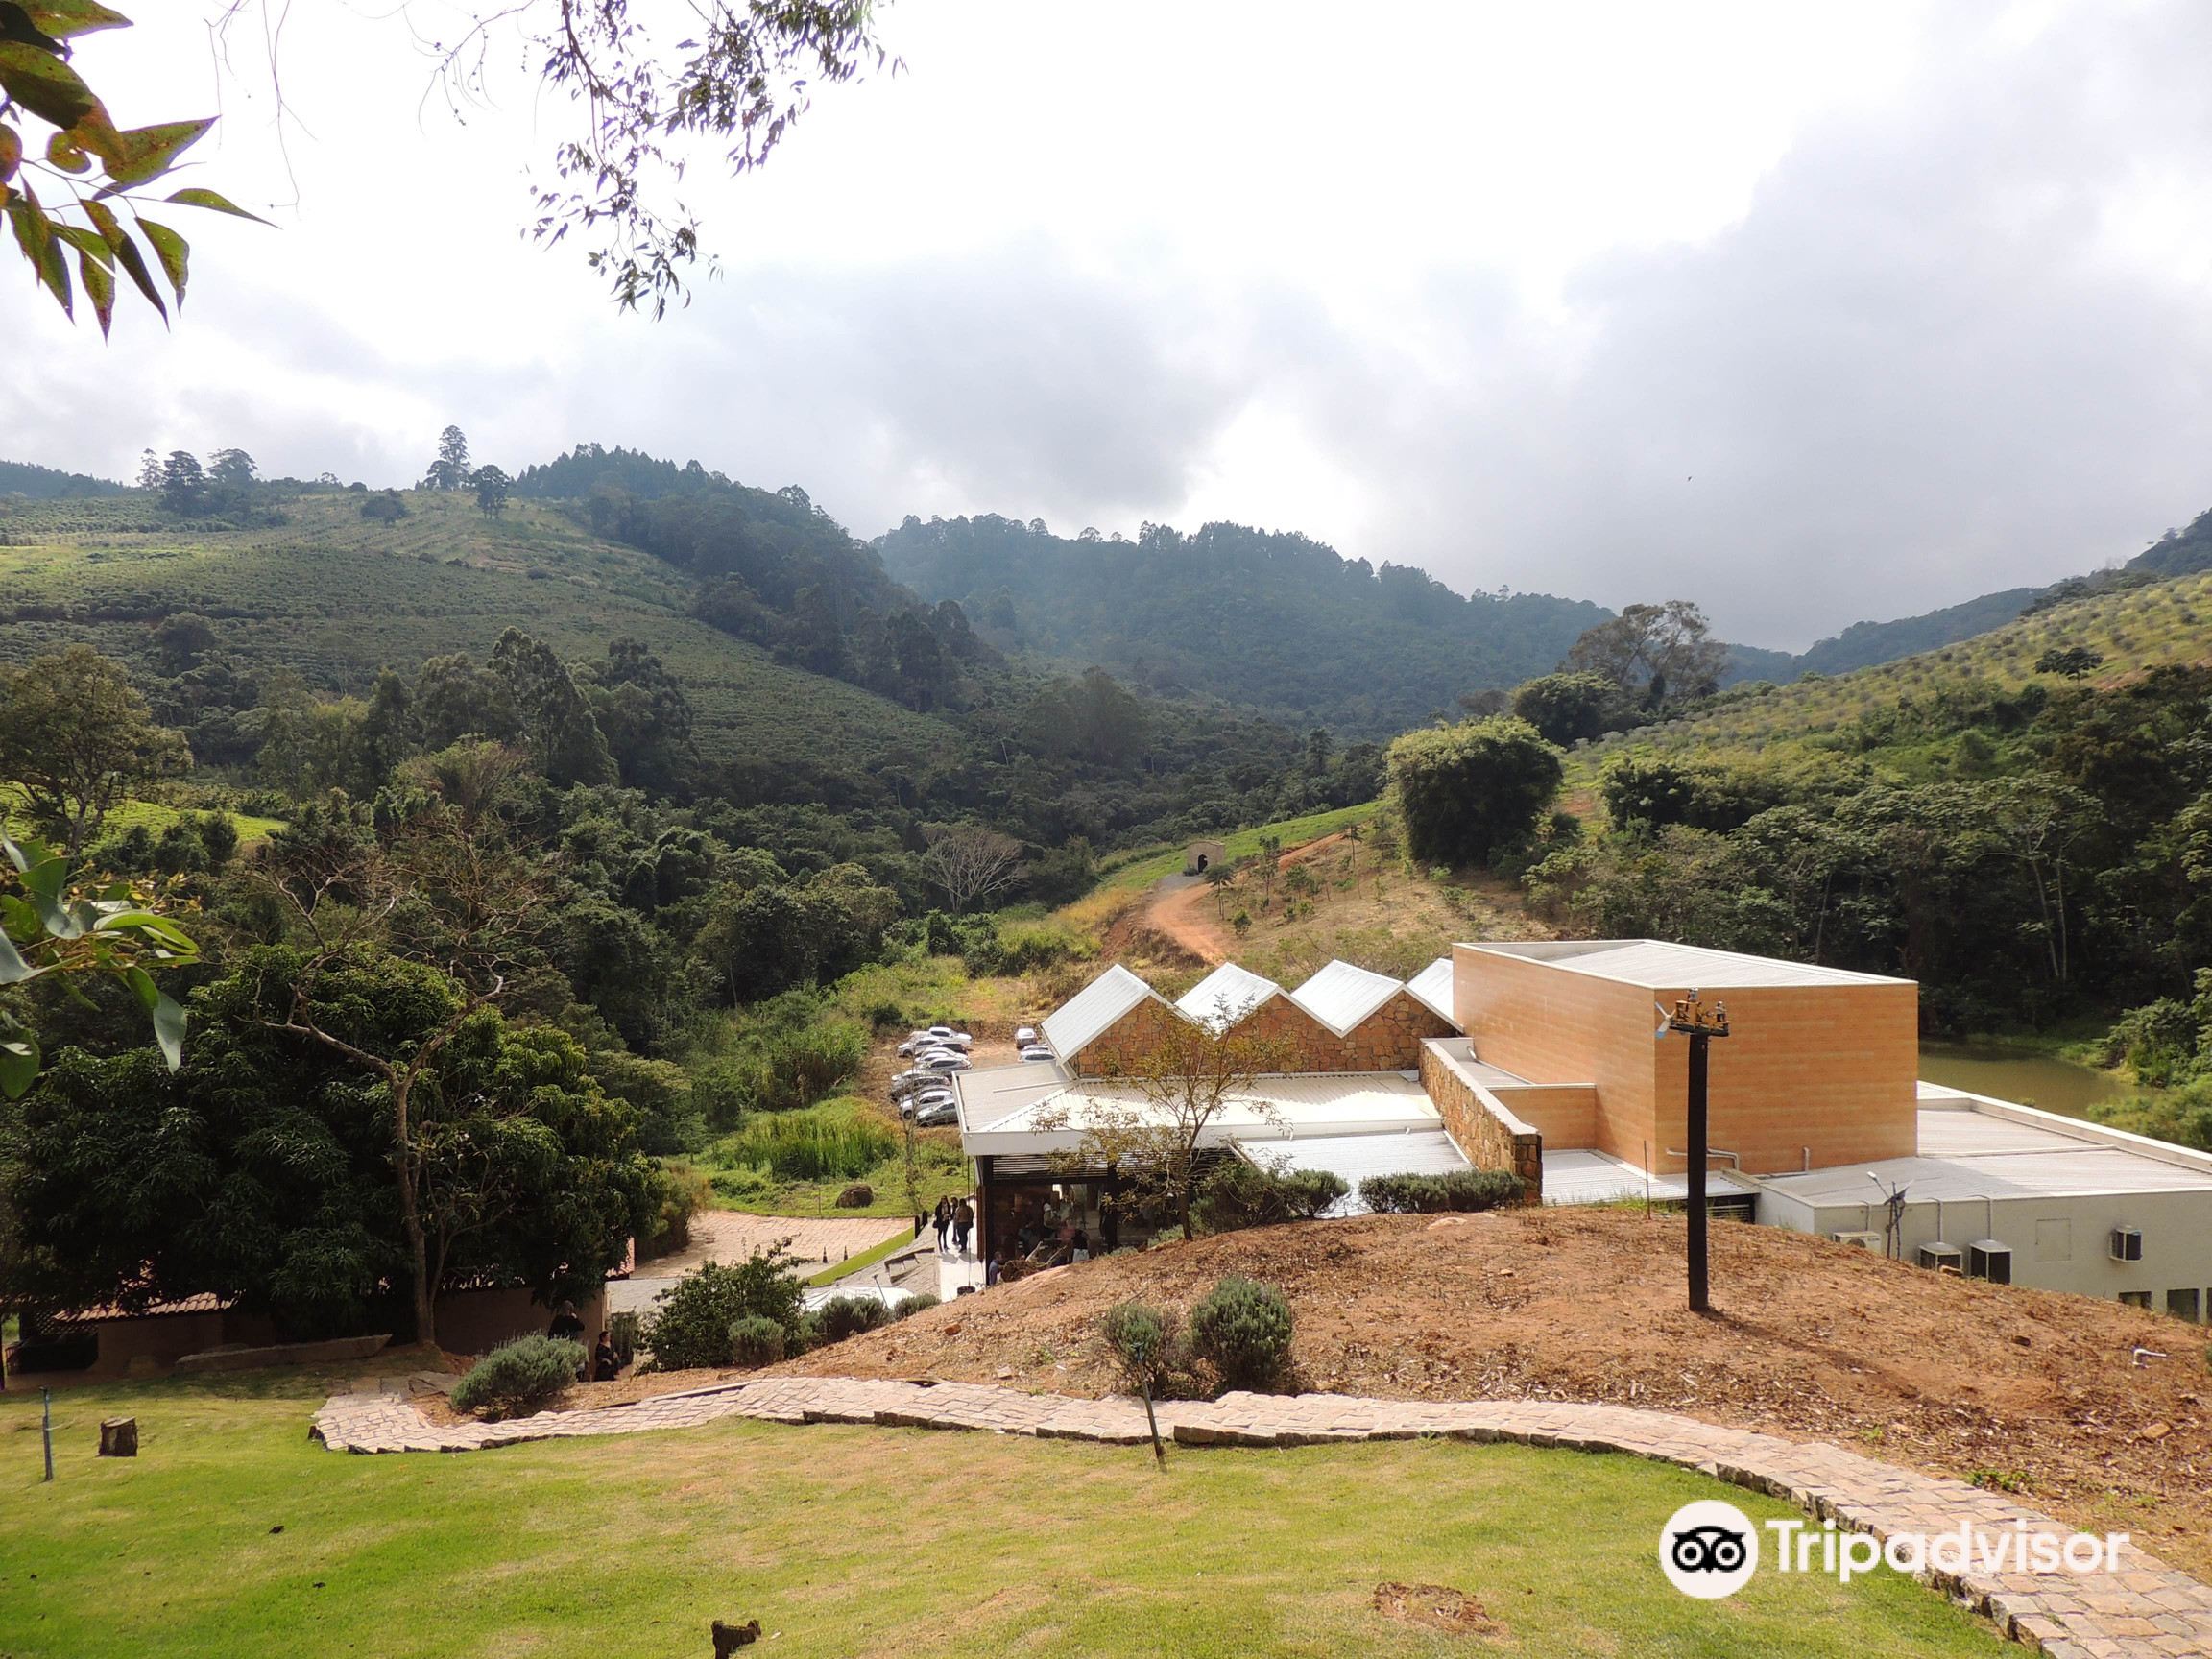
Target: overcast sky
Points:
(1808, 313)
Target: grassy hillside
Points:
(2166, 622)
(335, 598)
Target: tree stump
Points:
(118, 1437)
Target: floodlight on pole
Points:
(1701, 1024)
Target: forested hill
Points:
(46, 484)
(1270, 620)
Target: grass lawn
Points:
(867, 1258)
(844, 1541)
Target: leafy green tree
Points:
(1654, 655)
(1465, 793)
(455, 698)
(183, 638)
(492, 486)
(449, 470)
(2073, 661)
(233, 468)
(383, 507)
(265, 1170)
(183, 484)
(646, 717)
(58, 133)
(1567, 708)
(75, 739)
(557, 724)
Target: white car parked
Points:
(928, 1100)
(1024, 1036)
(937, 1117)
(1037, 1051)
(949, 1062)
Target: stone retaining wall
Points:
(1490, 1136)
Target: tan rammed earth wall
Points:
(1815, 1073)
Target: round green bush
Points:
(756, 1340)
(690, 1323)
(914, 1304)
(844, 1317)
(1143, 1341)
(520, 1376)
(1243, 1328)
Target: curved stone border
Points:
(2144, 1608)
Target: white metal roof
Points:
(1274, 1109)
(1659, 965)
(1974, 1154)
(986, 1096)
(1432, 988)
(1340, 996)
(1357, 1156)
(1226, 996)
(1580, 1176)
(1087, 1015)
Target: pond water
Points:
(2021, 1074)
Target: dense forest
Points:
(1270, 620)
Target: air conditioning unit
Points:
(1941, 1258)
(1989, 1259)
(1864, 1241)
(2127, 1243)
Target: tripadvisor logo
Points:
(1710, 1548)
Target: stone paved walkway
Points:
(2144, 1608)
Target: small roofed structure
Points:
(1226, 996)
(1432, 988)
(1105, 1026)
(1204, 855)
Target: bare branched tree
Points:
(1149, 1122)
(968, 862)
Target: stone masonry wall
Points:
(1490, 1141)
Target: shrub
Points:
(1144, 1342)
(857, 1196)
(914, 1305)
(520, 1376)
(756, 1340)
(1427, 1194)
(844, 1317)
(691, 1321)
(840, 1140)
(1238, 1194)
(1243, 1328)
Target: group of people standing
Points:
(956, 1219)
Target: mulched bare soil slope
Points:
(2035, 1392)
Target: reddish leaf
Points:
(11, 152)
(174, 253)
(98, 284)
(35, 235)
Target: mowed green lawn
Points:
(849, 1541)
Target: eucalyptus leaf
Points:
(169, 1031)
(44, 84)
(13, 970)
(196, 197)
(18, 1064)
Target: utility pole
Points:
(1701, 1024)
